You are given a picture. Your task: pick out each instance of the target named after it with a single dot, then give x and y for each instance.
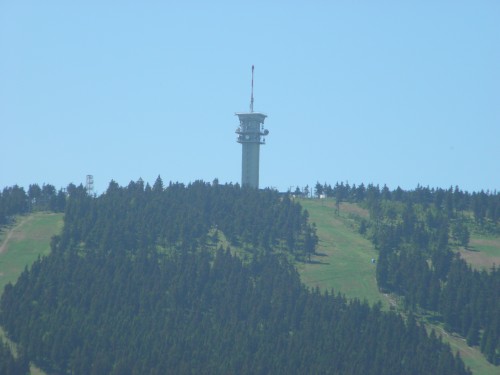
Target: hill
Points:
(124, 291)
(343, 262)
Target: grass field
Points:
(28, 238)
(483, 251)
(344, 256)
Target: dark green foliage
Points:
(9, 365)
(181, 216)
(461, 233)
(473, 334)
(13, 201)
(189, 313)
(107, 301)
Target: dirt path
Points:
(10, 233)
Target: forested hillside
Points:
(415, 233)
(139, 216)
(133, 286)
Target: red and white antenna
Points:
(251, 98)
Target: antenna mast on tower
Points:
(251, 98)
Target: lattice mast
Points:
(89, 185)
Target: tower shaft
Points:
(250, 135)
(250, 165)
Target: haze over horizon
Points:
(385, 93)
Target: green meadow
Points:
(483, 251)
(344, 258)
(22, 243)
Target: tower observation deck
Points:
(251, 135)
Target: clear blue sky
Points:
(385, 92)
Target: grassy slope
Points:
(483, 251)
(29, 237)
(344, 260)
(345, 266)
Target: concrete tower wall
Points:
(250, 164)
(250, 133)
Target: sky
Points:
(385, 92)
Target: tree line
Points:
(485, 205)
(15, 200)
(182, 216)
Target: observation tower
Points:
(251, 135)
